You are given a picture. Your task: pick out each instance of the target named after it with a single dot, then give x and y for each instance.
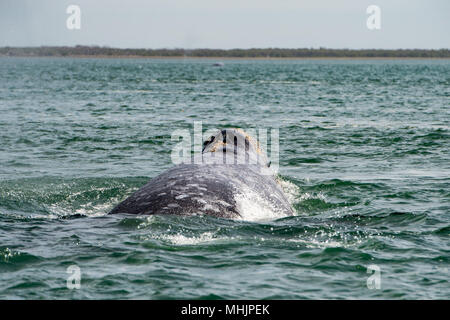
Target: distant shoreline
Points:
(224, 58)
(220, 54)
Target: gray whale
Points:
(231, 174)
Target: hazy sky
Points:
(227, 23)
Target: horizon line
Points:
(221, 49)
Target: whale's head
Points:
(234, 141)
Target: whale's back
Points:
(210, 189)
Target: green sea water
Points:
(364, 160)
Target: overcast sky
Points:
(227, 23)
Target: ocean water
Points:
(364, 160)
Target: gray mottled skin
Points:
(231, 165)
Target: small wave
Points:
(52, 198)
(319, 244)
(181, 239)
(88, 209)
(291, 190)
(309, 196)
(444, 231)
(10, 256)
(6, 254)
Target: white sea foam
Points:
(147, 221)
(307, 196)
(253, 207)
(312, 243)
(87, 209)
(181, 239)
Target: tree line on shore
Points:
(50, 51)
